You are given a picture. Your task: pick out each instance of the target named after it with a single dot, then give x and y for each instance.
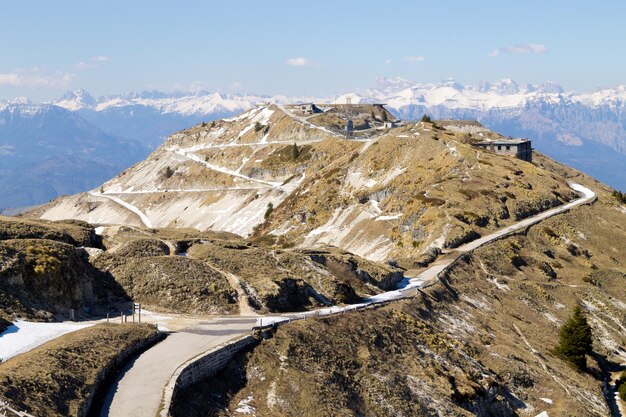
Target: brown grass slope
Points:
(410, 189)
(43, 274)
(60, 377)
(477, 343)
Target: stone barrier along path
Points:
(138, 391)
(430, 275)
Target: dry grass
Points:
(60, 377)
(480, 342)
(73, 232)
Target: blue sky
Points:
(295, 48)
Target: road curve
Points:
(138, 391)
(430, 274)
(144, 219)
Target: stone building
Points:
(520, 148)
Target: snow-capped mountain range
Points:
(584, 130)
(487, 102)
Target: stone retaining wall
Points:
(202, 367)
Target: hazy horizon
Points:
(322, 49)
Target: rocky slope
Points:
(187, 271)
(296, 181)
(45, 271)
(479, 342)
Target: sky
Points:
(303, 48)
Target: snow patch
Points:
(390, 217)
(551, 317)
(23, 336)
(244, 407)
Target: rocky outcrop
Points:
(44, 279)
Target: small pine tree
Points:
(203, 124)
(168, 172)
(621, 386)
(270, 209)
(295, 151)
(426, 118)
(101, 189)
(619, 196)
(575, 339)
(258, 126)
(213, 123)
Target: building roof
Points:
(503, 141)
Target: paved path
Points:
(411, 285)
(139, 389)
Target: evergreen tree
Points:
(168, 172)
(621, 386)
(295, 151)
(270, 209)
(575, 339)
(426, 118)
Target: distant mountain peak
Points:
(389, 86)
(20, 101)
(449, 83)
(77, 99)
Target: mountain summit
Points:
(295, 178)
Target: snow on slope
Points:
(23, 336)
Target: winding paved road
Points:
(139, 390)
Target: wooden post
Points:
(107, 317)
(139, 305)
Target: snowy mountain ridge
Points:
(396, 92)
(584, 130)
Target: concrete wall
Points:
(113, 367)
(202, 367)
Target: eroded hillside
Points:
(45, 271)
(295, 180)
(479, 342)
(187, 271)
